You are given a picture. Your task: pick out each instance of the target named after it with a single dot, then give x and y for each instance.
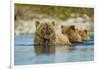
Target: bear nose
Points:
(46, 36)
(47, 32)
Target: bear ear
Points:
(62, 26)
(53, 22)
(85, 30)
(37, 23)
(72, 27)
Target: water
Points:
(26, 53)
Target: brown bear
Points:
(45, 35)
(62, 39)
(71, 32)
(84, 34)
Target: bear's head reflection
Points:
(42, 49)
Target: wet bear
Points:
(45, 33)
(84, 34)
(71, 32)
(62, 39)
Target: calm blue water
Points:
(26, 53)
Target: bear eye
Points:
(68, 32)
(50, 30)
(42, 31)
(43, 28)
(62, 32)
(76, 38)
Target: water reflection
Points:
(51, 54)
(44, 54)
(44, 50)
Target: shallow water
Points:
(26, 53)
